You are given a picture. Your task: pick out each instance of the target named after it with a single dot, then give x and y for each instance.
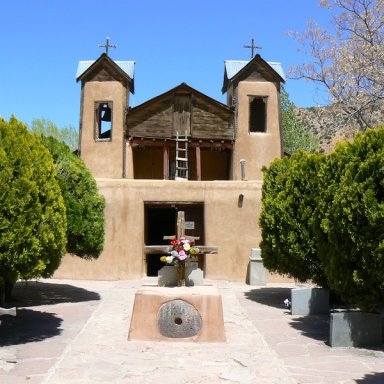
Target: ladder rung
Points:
(181, 159)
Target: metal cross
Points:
(253, 47)
(107, 45)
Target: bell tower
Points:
(253, 91)
(105, 88)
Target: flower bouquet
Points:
(180, 251)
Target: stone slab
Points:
(355, 329)
(309, 301)
(198, 307)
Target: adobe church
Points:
(180, 151)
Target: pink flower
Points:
(182, 255)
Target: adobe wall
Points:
(257, 148)
(229, 225)
(103, 158)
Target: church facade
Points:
(181, 150)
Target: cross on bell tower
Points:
(252, 47)
(107, 45)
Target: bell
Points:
(105, 112)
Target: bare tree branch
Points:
(349, 62)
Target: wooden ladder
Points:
(181, 158)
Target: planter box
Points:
(257, 271)
(355, 329)
(168, 276)
(193, 276)
(309, 301)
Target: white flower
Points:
(169, 259)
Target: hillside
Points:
(330, 126)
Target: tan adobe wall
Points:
(256, 148)
(232, 228)
(103, 158)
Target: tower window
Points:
(258, 114)
(103, 121)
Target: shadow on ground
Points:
(28, 326)
(30, 294)
(372, 378)
(31, 324)
(271, 296)
(313, 326)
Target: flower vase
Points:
(181, 274)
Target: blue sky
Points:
(172, 41)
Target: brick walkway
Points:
(76, 332)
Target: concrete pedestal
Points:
(309, 301)
(257, 271)
(177, 314)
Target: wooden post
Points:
(198, 163)
(180, 224)
(165, 163)
(180, 231)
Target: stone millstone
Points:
(178, 319)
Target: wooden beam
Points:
(190, 238)
(140, 142)
(156, 249)
(10, 311)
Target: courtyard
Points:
(69, 331)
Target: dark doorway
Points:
(160, 221)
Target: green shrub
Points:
(289, 197)
(350, 218)
(32, 211)
(323, 219)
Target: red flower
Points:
(174, 242)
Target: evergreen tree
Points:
(32, 211)
(289, 195)
(350, 220)
(84, 205)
